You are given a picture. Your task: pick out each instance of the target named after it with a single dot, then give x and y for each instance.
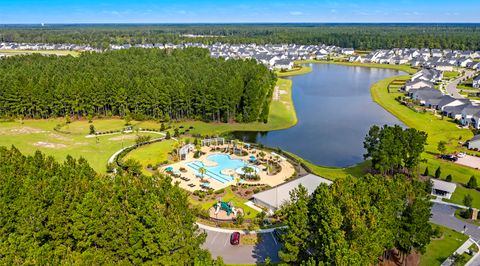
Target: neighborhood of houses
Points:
(421, 87)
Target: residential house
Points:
(417, 84)
(474, 143)
(476, 82)
(424, 95)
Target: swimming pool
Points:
(223, 162)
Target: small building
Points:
(275, 197)
(476, 82)
(185, 150)
(474, 143)
(443, 189)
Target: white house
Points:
(417, 85)
(476, 82)
(443, 189)
(474, 143)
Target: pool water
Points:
(223, 162)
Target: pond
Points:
(335, 111)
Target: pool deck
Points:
(287, 171)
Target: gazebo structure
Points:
(185, 150)
(215, 141)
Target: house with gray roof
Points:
(442, 189)
(476, 82)
(275, 197)
(474, 143)
(424, 95)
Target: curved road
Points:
(451, 87)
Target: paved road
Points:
(444, 215)
(218, 243)
(451, 87)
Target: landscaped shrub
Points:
(220, 191)
(449, 178)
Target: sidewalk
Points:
(241, 231)
(439, 201)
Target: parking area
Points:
(218, 243)
(470, 161)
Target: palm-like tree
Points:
(247, 170)
(202, 171)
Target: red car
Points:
(235, 238)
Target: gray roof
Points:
(279, 195)
(443, 185)
(475, 138)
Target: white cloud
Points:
(296, 13)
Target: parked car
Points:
(235, 238)
(461, 155)
(449, 157)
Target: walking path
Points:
(451, 87)
(462, 249)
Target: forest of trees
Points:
(357, 221)
(64, 213)
(142, 83)
(393, 149)
(358, 36)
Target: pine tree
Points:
(438, 172)
(472, 182)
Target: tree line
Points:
(358, 36)
(64, 213)
(357, 221)
(139, 83)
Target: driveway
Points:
(443, 214)
(451, 87)
(218, 243)
(470, 161)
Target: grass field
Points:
(448, 75)
(461, 192)
(152, 153)
(45, 52)
(439, 250)
(31, 135)
(301, 70)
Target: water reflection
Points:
(335, 111)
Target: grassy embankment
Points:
(438, 129)
(299, 70)
(441, 249)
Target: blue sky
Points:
(188, 11)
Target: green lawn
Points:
(301, 70)
(439, 250)
(152, 153)
(32, 135)
(448, 75)
(333, 173)
(460, 193)
(229, 197)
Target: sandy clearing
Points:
(46, 144)
(59, 137)
(21, 131)
(124, 137)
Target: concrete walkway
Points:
(451, 87)
(229, 231)
(464, 247)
